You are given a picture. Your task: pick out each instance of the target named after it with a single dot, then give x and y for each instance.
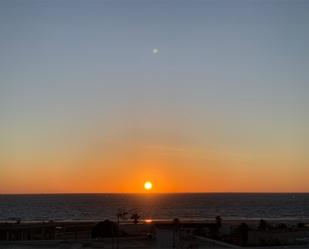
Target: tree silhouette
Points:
(243, 231)
(263, 225)
(104, 229)
(219, 221)
(135, 217)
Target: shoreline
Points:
(150, 220)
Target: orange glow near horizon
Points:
(172, 169)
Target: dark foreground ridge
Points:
(164, 234)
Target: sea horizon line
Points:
(147, 193)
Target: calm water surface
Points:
(155, 206)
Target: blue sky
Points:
(231, 77)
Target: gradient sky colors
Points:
(86, 106)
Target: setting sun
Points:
(148, 185)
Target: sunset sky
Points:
(88, 105)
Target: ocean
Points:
(154, 206)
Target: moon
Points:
(155, 51)
(148, 185)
